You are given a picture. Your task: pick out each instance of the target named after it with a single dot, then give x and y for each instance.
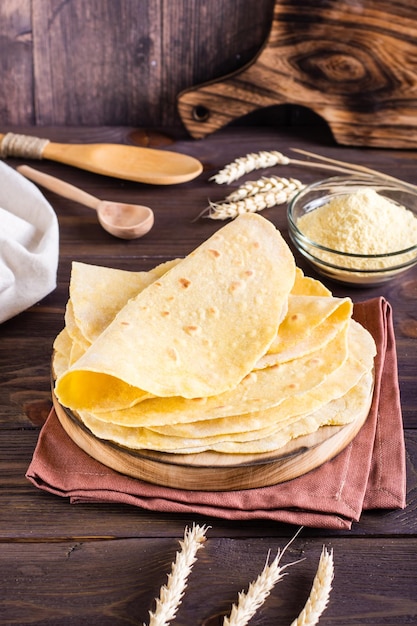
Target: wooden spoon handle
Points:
(59, 186)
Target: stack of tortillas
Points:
(231, 349)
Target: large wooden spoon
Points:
(126, 221)
(143, 165)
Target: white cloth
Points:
(29, 244)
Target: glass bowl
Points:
(347, 267)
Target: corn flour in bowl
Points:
(360, 231)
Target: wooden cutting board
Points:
(352, 63)
(211, 471)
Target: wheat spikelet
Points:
(320, 591)
(252, 204)
(258, 160)
(256, 595)
(171, 594)
(253, 187)
(259, 589)
(249, 163)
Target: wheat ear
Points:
(262, 185)
(252, 197)
(253, 202)
(250, 162)
(171, 594)
(258, 590)
(320, 591)
(259, 160)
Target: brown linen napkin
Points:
(368, 474)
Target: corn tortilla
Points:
(197, 330)
(334, 386)
(259, 390)
(310, 323)
(336, 412)
(98, 293)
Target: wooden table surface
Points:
(104, 563)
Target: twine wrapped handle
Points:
(14, 145)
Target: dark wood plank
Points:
(16, 58)
(116, 582)
(99, 56)
(113, 63)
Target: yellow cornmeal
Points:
(361, 223)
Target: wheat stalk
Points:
(171, 594)
(259, 160)
(258, 590)
(320, 591)
(351, 168)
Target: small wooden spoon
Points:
(126, 221)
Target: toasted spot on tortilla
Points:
(213, 252)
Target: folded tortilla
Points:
(98, 293)
(196, 331)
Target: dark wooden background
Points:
(107, 62)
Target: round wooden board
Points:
(212, 471)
